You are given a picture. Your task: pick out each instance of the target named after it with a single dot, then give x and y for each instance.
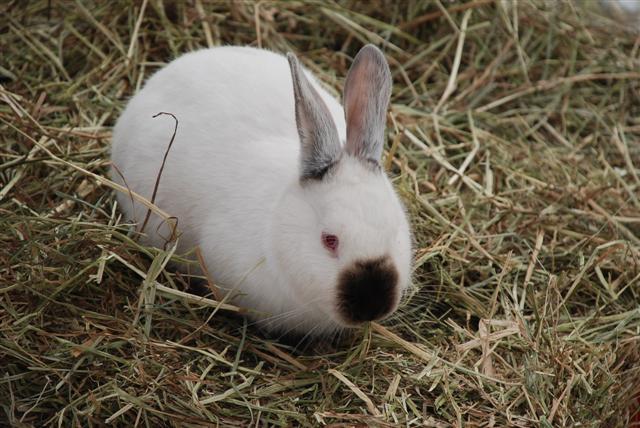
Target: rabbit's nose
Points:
(367, 290)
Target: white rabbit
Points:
(289, 205)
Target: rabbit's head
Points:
(341, 236)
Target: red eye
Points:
(330, 242)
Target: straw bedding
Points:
(513, 138)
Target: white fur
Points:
(232, 181)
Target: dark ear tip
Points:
(293, 60)
(371, 54)
(294, 67)
(371, 47)
(371, 50)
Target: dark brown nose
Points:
(367, 290)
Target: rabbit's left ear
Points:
(366, 98)
(319, 142)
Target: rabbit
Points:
(280, 187)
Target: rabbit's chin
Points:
(306, 322)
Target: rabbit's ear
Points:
(319, 142)
(366, 98)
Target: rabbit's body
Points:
(236, 163)
(232, 179)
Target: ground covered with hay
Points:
(514, 139)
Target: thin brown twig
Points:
(164, 160)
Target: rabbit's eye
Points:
(330, 242)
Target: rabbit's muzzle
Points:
(367, 290)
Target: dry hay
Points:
(514, 139)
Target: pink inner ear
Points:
(357, 98)
(366, 99)
(330, 242)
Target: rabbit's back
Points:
(228, 95)
(242, 92)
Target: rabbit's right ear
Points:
(366, 98)
(319, 142)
